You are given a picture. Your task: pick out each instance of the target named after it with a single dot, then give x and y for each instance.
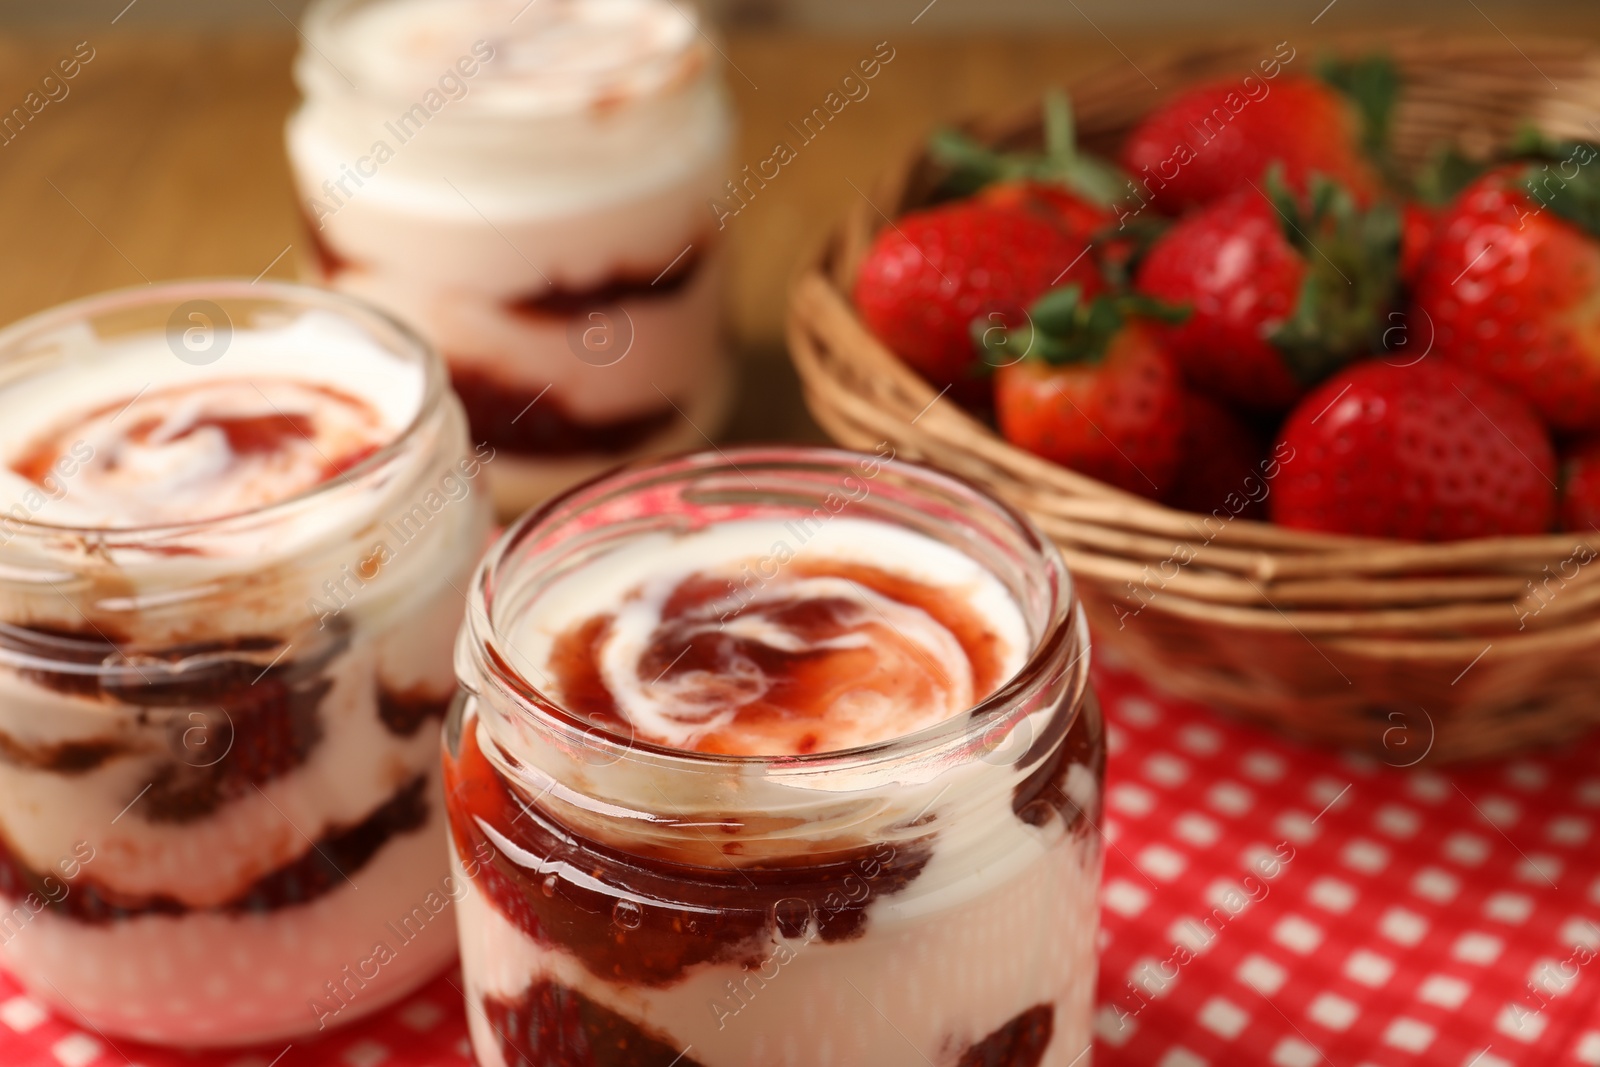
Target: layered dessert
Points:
(529, 185)
(226, 614)
(775, 791)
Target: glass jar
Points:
(530, 185)
(936, 891)
(220, 813)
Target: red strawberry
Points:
(1082, 386)
(926, 279)
(1220, 469)
(1282, 293)
(1417, 222)
(1114, 248)
(1512, 286)
(1429, 452)
(1072, 212)
(1580, 487)
(1215, 139)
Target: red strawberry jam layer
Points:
(563, 889)
(250, 681)
(553, 1026)
(243, 697)
(826, 656)
(525, 421)
(325, 866)
(216, 721)
(1022, 1042)
(649, 283)
(202, 450)
(404, 713)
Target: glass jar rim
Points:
(174, 293)
(318, 35)
(1065, 627)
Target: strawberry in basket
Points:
(1511, 284)
(930, 275)
(1222, 464)
(1283, 289)
(1580, 487)
(1086, 382)
(1215, 139)
(1426, 452)
(1023, 223)
(1417, 224)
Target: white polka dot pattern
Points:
(1427, 916)
(426, 1030)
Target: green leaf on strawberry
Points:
(973, 165)
(1373, 84)
(1285, 288)
(1064, 328)
(1352, 258)
(1575, 198)
(1447, 172)
(1087, 384)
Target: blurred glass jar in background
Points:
(528, 184)
(233, 520)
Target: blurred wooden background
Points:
(165, 159)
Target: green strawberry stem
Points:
(1564, 177)
(1555, 167)
(1063, 328)
(1373, 84)
(973, 165)
(1352, 259)
(1447, 172)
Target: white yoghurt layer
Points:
(214, 979)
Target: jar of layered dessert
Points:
(237, 523)
(776, 757)
(530, 185)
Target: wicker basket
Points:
(1451, 651)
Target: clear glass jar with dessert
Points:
(775, 757)
(234, 520)
(529, 184)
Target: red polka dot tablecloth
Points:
(1264, 903)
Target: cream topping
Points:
(735, 639)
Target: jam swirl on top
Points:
(203, 449)
(824, 656)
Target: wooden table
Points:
(166, 159)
